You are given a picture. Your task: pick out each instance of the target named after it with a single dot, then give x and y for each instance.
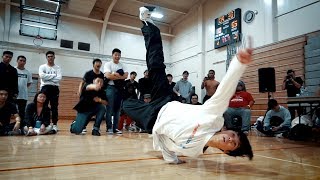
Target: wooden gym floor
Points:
(131, 156)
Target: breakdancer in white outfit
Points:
(185, 129)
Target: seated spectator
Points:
(92, 102)
(276, 121)
(194, 99)
(6, 111)
(147, 98)
(37, 117)
(240, 105)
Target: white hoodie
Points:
(185, 129)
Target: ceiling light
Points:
(156, 15)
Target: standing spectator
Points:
(114, 71)
(292, 84)
(183, 88)
(131, 86)
(50, 75)
(240, 105)
(210, 84)
(194, 99)
(8, 76)
(37, 120)
(7, 110)
(24, 81)
(144, 85)
(171, 86)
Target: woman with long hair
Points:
(37, 118)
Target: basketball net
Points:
(37, 41)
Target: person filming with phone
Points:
(292, 84)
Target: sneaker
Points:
(84, 130)
(55, 127)
(145, 15)
(95, 132)
(279, 135)
(110, 131)
(117, 131)
(246, 132)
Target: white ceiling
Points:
(171, 9)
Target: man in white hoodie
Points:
(183, 128)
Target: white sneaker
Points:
(110, 131)
(84, 131)
(117, 131)
(145, 15)
(55, 127)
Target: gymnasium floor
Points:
(131, 156)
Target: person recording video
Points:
(292, 84)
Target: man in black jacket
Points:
(9, 76)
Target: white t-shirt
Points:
(185, 129)
(50, 75)
(112, 67)
(24, 77)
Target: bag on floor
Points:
(300, 132)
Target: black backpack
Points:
(300, 132)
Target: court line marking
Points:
(278, 159)
(143, 159)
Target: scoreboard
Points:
(227, 28)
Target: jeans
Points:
(268, 131)
(22, 103)
(245, 114)
(83, 117)
(113, 107)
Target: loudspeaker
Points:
(66, 44)
(267, 80)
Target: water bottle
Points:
(38, 124)
(302, 91)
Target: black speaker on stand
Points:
(267, 80)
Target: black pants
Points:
(22, 103)
(206, 97)
(292, 111)
(145, 114)
(52, 93)
(6, 129)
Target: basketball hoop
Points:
(37, 41)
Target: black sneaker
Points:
(95, 132)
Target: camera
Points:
(289, 77)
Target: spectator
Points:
(24, 81)
(8, 76)
(131, 87)
(171, 86)
(240, 105)
(92, 102)
(194, 99)
(144, 85)
(7, 109)
(114, 71)
(277, 120)
(50, 75)
(183, 88)
(292, 84)
(89, 76)
(210, 84)
(37, 120)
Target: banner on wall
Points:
(227, 29)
